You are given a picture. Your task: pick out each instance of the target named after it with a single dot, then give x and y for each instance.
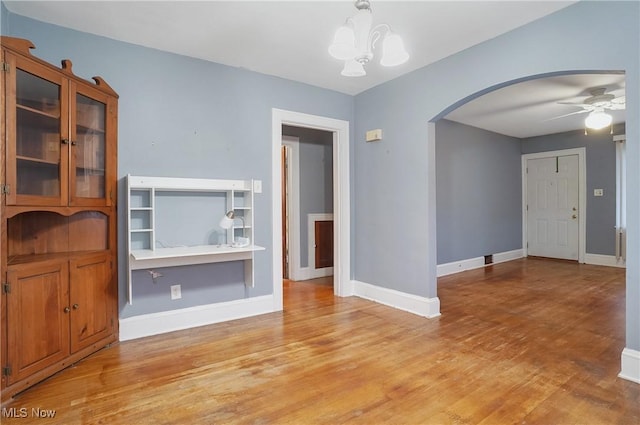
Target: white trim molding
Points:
(426, 307)
(191, 317)
(293, 187)
(604, 260)
(478, 262)
(630, 360)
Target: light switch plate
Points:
(257, 186)
(598, 192)
(176, 292)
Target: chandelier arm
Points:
(376, 33)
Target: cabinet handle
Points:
(73, 143)
(76, 306)
(67, 309)
(65, 141)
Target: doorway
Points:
(552, 207)
(343, 286)
(307, 203)
(554, 204)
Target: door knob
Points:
(574, 216)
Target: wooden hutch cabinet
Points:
(58, 217)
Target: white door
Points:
(552, 207)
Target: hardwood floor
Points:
(530, 342)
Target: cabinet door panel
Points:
(88, 175)
(38, 326)
(324, 243)
(36, 156)
(91, 300)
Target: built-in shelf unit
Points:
(146, 248)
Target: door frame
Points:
(342, 284)
(582, 195)
(293, 201)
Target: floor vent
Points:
(488, 259)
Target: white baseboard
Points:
(630, 365)
(191, 317)
(478, 262)
(323, 272)
(603, 260)
(426, 307)
(303, 273)
(306, 273)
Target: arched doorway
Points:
(432, 219)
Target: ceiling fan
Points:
(595, 105)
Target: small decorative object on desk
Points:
(240, 242)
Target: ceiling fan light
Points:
(598, 120)
(344, 44)
(393, 51)
(353, 68)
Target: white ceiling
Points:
(289, 39)
(532, 108)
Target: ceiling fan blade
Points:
(582, 105)
(617, 106)
(619, 100)
(567, 115)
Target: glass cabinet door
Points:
(63, 152)
(88, 177)
(36, 158)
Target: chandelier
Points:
(355, 40)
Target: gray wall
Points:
(478, 192)
(399, 172)
(4, 18)
(183, 117)
(316, 178)
(601, 174)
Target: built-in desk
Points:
(147, 251)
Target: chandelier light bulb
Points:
(598, 120)
(393, 51)
(353, 68)
(344, 44)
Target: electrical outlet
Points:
(176, 292)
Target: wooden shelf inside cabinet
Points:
(145, 229)
(55, 115)
(37, 160)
